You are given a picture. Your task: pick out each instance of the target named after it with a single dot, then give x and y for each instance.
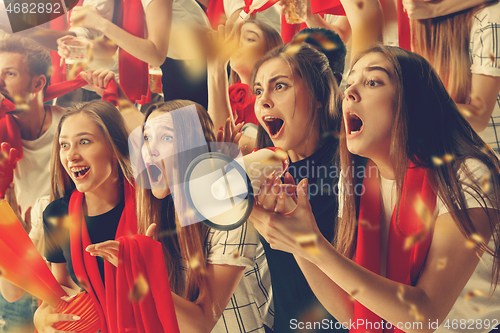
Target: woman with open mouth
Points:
(91, 182)
(234, 98)
(406, 248)
(298, 108)
(207, 269)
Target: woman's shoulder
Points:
(488, 15)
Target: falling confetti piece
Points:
(474, 293)
(423, 212)
(437, 161)
(473, 241)
(442, 263)
(414, 239)
(308, 243)
(140, 289)
(90, 54)
(400, 293)
(236, 254)
(485, 183)
(447, 158)
(195, 264)
(367, 225)
(414, 312)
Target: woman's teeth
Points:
(80, 171)
(274, 124)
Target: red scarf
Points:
(154, 311)
(403, 265)
(84, 265)
(215, 13)
(9, 130)
(134, 73)
(404, 34)
(242, 103)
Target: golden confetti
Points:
(423, 211)
(474, 293)
(447, 158)
(465, 113)
(236, 254)
(473, 241)
(308, 243)
(76, 68)
(492, 57)
(414, 239)
(195, 264)
(442, 263)
(60, 221)
(485, 183)
(140, 289)
(325, 43)
(400, 293)
(367, 225)
(90, 54)
(437, 161)
(414, 312)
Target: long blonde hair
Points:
(186, 242)
(444, 42)
(112, 125)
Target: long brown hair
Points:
(427, 124)
(112, 125)
(444, 42)
(186, 242)
(272, 38)
(314, 69)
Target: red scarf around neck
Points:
(403, 265)
(84, 265)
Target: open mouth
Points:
(154, 173)
(274, 125)
(354, 124)
(80, 172)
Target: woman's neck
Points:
(104, 198)
(385, 168)
(244, 78)
(309, 148)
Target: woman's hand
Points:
(223, 42)
(98, 79)
(230, 136)
(46, 316)
(295, 232)
(87, 17)
(63, 44)
(110, 250)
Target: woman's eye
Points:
(372, 83)
(250, 40)
(63, 145)
(146, 138)
(84, 141)
(257, 92)
(280, 86)
(168, 138)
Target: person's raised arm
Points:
(340, 26)
(153, 49)
(436, 289)
(367, 23)
(424, 9)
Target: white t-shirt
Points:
(250, 307)
(187, 16)
(483, 48)
(31, 175)
(476, 308)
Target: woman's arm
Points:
(152, 50)
(424, 9)
(366, 20)
(202, 316)
(341, 25)
(484, 94)
(431, 299)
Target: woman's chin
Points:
(160, 193)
